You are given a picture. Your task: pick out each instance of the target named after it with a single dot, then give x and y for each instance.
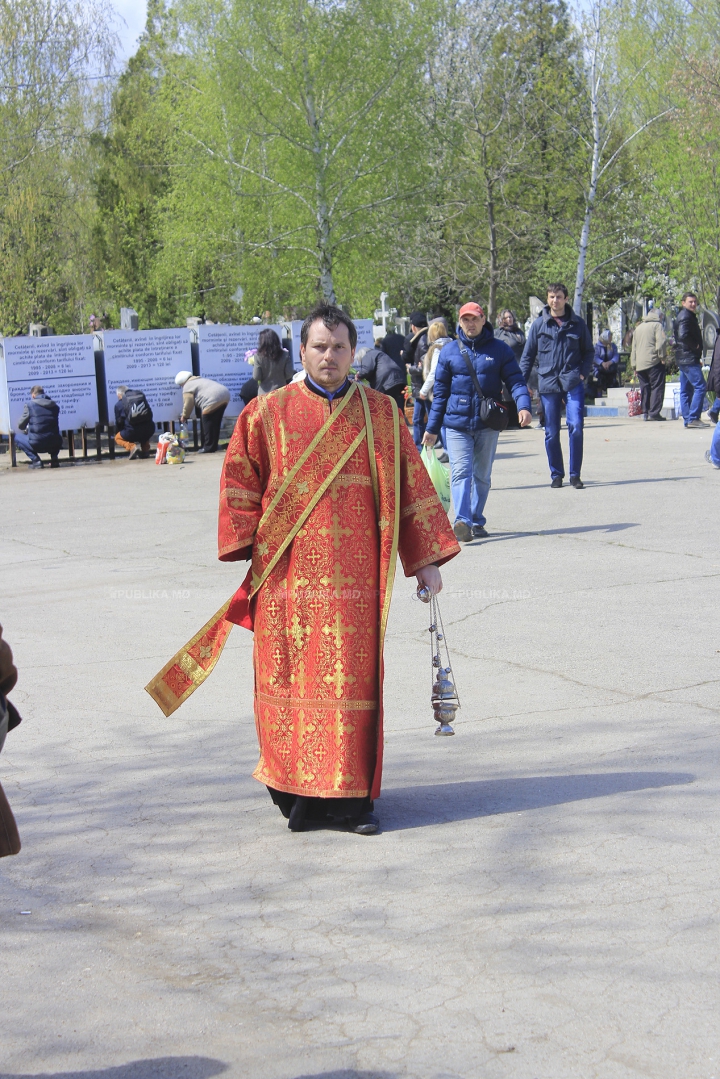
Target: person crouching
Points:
(134, 422)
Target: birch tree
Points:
(304, 110)
(617, 113)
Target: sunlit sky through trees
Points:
(130, 24)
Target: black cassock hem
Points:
(322, 810)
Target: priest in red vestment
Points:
(322, 488)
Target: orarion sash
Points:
(189, 668)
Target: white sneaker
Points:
(709, 459)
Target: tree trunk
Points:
(322, 215)
(592, 189)
(492, 291)
(492, 236)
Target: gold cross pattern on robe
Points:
(337, 580)
(336, 532)
(338, 630)
(339, 678)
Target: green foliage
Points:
(259, 155)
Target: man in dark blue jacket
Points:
(561, 345)
(688, 356)
(40, 420)
(471, 445)
(134, 422)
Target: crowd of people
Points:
(464, 387)
(293, 447)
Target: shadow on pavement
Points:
(600, 483)
(349, 1074)
(654, 479)
(157, 1068)
(442, 802)
(620, 527)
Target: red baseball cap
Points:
(471, 309)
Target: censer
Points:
(444, 697)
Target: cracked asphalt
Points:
(542, 902)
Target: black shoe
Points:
(443, 458)
(205, 449)
(462, 531)
(479, 532)
(296, 822)
(367, 824)
(557, 482)
(577, 483)
(54, 463)
(656, 418)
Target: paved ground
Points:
(543, 900)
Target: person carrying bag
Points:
(469, 379)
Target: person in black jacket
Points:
(382, 372)
(134, 422)
(688, 354)
(713, 382)
(416, 345)
(40, 420)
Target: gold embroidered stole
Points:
(285, 515)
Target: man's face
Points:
(328, 355)
(556, 302)
(690, 303)
(472, 325)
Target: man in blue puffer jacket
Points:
(561, 345)
(471, 445)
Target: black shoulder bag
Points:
(493, 413)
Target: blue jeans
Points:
(471, 459)
(22, 441)
(420, 418)
(692, 391)
(715, 446)
(574, 409)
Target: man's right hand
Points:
(428, 439)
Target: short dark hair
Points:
(558, 287)
(331, 316)
(35, 390)
(687, 295)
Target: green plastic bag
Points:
(439, 475)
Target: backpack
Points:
(137, 410)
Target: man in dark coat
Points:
(688, 356)
(471, 444)
(713, 382)
(383, 373)
(40, 420)
(560, 344)
(606, 361)
(134, 422)
(416, 345)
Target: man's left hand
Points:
(524, 417)
(430, 577)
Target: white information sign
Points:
(364, 327)
(65, 368)
(222, 356)
(147, 360)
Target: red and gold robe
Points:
(322, 496)
(320, 616)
